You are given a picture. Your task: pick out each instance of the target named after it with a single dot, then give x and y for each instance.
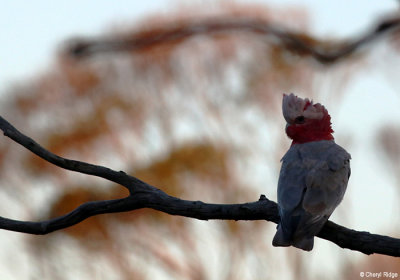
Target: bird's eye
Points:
(299, 120)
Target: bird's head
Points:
(306, 122)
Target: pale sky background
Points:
(32, 31)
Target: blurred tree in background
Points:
(192, 108)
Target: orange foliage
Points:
(115, 110)
(82, 78)
(206, 162)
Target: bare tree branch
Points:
(292, 41)
(143, 195)
(73, 165)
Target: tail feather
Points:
(281, 240)
(306, 243)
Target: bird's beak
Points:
(286, 127)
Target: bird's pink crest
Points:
(306, 121)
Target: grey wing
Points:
(291, 189)
(310, 189)
(326, 184)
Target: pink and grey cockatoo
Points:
(314, 174)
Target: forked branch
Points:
(143, 195)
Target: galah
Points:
(314, 173)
